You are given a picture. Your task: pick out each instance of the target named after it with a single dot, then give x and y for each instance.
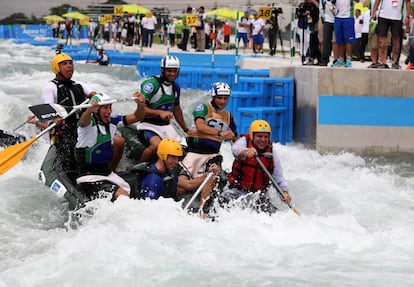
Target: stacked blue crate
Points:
(243, 99)
(224, 75)
(148, 68)
(274, 106)
(255, 95)
(203, 78)
(253, 72)
(273, 115)
(282, 96)
(186, 78)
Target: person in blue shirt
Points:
(161, 179)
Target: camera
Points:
(302, 8)
(277, 11)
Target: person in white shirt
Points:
(148, 28)
(328, 42)
(171, 32)
(106, 32)
(243, 29)
(366, 16)
(91, 31)
(95, 147)
(358, 34)
(257, 32)
(390, 17)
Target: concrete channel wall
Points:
(358, 110)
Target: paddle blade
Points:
(296, 211)
(47, 112)
(10, 156)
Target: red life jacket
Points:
(247, 175)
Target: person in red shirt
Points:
(227, 32)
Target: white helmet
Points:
(170, 62)
(220, 89)
(101, 97)
(99, 47)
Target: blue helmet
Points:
(170, 62)
(220, 89)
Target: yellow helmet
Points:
(167, 147)
(58, 59)
(259, 126)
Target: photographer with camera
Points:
(274, 31)
(308, 17)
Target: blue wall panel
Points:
(366, 111)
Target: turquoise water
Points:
(356, 227)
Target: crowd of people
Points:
(345, 28)
(195, 29)
(87, 146)
(329, 31)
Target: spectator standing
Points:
(390, 17)
(366, 16)
(106, 32)
(373, 39)
(243, 28)
(257, 31)
(313, 19)
(171, 32)
(91, 31)
(201, 34)
(186, 30)
(148, 29)
(114, 30)
(219, 37)
(302, 14)
(131, 29)
(209, 34)
(410, 58)
(55, 29)
(326, 9)
(62, 28)
(124, 31)
(358, 34)
(165, 23)
(68, 29)
(344, 32)
(227, 32)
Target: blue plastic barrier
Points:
(273, 115)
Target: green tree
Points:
(20, 18)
